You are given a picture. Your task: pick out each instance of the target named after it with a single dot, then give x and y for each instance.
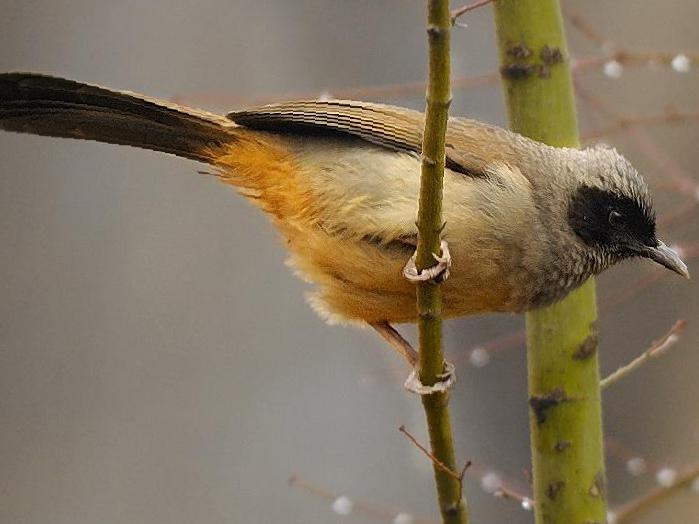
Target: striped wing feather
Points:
(470, 144)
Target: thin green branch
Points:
(429, 298)
(566, 422)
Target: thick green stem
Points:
(566, 421)
(429, 297)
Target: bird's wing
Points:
(388, 126)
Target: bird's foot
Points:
(447, 379)
(403, 347)
(438, 273)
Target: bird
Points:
(525, 223)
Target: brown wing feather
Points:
(393, 127)
(470, 146)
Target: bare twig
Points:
(620, 451)
(505, 341)
(441, 465)
(629, 292)
(618, 53)
(380, 512)
(681, 180)
(588, 30)
(627, 58)
(509, 494)
(456, 13)
(670, 116)
(658, 348)
(635, 508)
(495, 345)
(639, 136)
(381, 91)
(504, 490)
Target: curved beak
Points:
(667, 257)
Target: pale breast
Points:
(365, 231)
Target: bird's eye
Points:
(616, 219)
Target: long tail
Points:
(45, 105)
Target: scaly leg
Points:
(396, 341)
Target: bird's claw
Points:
(438, 273)
(448, 377)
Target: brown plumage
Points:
(525, 222)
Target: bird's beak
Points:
(667, 257)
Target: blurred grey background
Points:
(158, 363)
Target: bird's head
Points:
(611, 213)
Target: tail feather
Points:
(45, 105)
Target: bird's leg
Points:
(396, 341)
(403, 347)
(439, 272)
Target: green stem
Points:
(429, 223)
(566, 421)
